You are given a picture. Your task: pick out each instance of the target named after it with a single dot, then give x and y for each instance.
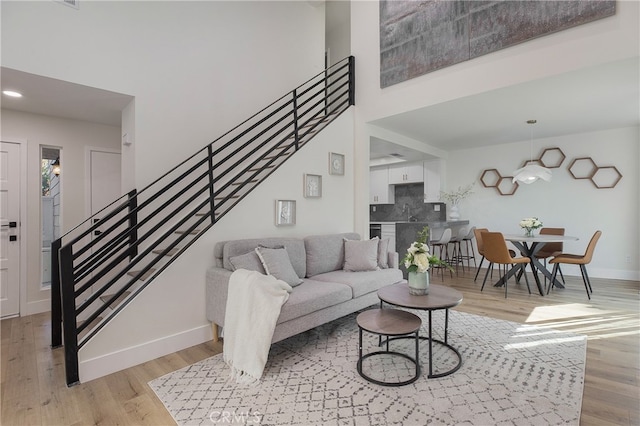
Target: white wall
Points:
(170, 315)
(196, 69)
(72, 136)
(576, 205)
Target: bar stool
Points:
(458, 256)
(442, 245)
(468, 240)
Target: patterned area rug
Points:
(511, 374)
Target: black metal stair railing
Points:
(103, 263)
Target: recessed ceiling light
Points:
(12, 93)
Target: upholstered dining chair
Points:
(496, 251)
(480, 244)
(442, 244)
(550, 249)
(576, 259)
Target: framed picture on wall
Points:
(285, 212)
(336, 163)
(312, 186)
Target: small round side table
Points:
(389, 323)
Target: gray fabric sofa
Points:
(326, 291)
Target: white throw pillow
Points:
(276, 262)
(383, 253)
(360, 255)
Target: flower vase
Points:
(418, 283)
(528, 232)
(454, 213)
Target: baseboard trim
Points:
(103, 365)
(37, 307)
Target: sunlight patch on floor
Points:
(569, 310)
(585, 319)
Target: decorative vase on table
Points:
(454, 213)
(418, 283)
(528, 232)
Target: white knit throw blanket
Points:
(253, 307)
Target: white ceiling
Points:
(603, 97)
(48, 96)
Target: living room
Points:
(167, 116)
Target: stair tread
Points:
(171, 252)
(194, 232)
(145, 276)
(119, 300)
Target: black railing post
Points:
(212, 200)
(56, 301)
(352, 80)
(133, 224)
(69, 316)
(295, 117)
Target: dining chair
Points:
(576, 259)
(551, 249)
(496, 251)
(480, 244)
(442, 244)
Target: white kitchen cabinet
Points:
(406, 173)
(380, 192)
(389, 231)
(432, 181)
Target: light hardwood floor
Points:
(34, 390)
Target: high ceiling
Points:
(603, 97)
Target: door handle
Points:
(10, 225)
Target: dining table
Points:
(528, 247)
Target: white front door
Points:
(104, 189)
(105, 179)
(10, 229)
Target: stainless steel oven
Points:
(375, 230)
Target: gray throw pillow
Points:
(383, 253)
(360, 255)
(249, 261)
(276, 262)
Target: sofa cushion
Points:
(294, 246)
(276, 263)
(361, 255)
(383, 253)
(312, 296)
(249, 261)
(325, 253)
(362, 282)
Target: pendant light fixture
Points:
(531, 172)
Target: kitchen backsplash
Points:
(412, 195)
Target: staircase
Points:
(102, 264)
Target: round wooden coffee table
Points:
(389, 322)
(439, 298)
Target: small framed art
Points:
(336, 163)
(285, 212)
(312, 186)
